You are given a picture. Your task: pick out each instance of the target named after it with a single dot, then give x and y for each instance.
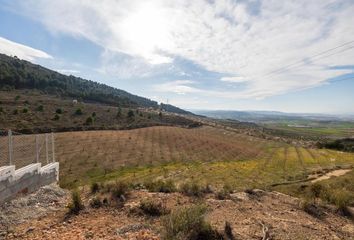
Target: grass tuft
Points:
(161, 186)
(76, 204)
(189, 223)
(152, 208)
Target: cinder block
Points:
(6, 172)
(51, 168)
(33, 168)
(27, 179)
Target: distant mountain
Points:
(21, 74)
(263, 116)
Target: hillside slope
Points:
(32, 111)
(21, 74)
(250, 215)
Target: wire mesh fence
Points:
(23, 149)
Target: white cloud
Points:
(21, 51)
(237, 38)
(238, 79)
(177, 86)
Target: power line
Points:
(301, 62)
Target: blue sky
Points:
(236, 55)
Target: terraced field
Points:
(206, 155)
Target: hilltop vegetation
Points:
(20, 74)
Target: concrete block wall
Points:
(26, 179)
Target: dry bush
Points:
(312, 209)
(191, 189)
(76, 204)
(95, 187)
(342, 200)
(224, 193)
(189, 223)
(96, 202)
(118, 191)
(153, 208)
(161, 186)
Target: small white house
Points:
(74, 101)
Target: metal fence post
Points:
(10, 147)
(53, 150)
(46, 148)
(37, 149)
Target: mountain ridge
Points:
(21, 74)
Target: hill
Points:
(21, 74)
(32, 111)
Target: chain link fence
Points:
(23, 149)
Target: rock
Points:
(30, 229)
(349, 228)
(239, 196)
(131, 228)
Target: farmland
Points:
(205, 155)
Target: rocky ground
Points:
(43, 215)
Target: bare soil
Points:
(334, 173)
(246, 212)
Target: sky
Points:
(290, 56)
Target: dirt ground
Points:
(42, 215)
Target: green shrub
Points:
(89, 121)
(59, 111)
(96, 202)
(188, 223)
(316, 190)
(161, 186)
(130, 114)
(1, 110)
(76, 203)
(17, 97)
(191, 189)
(152, 208)
(15, 112)
(40, 108)
(95, 187)
(78, 111)
(25, 110)
(342, 199)
(26, 102)
(56, 117)
(119, 113)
